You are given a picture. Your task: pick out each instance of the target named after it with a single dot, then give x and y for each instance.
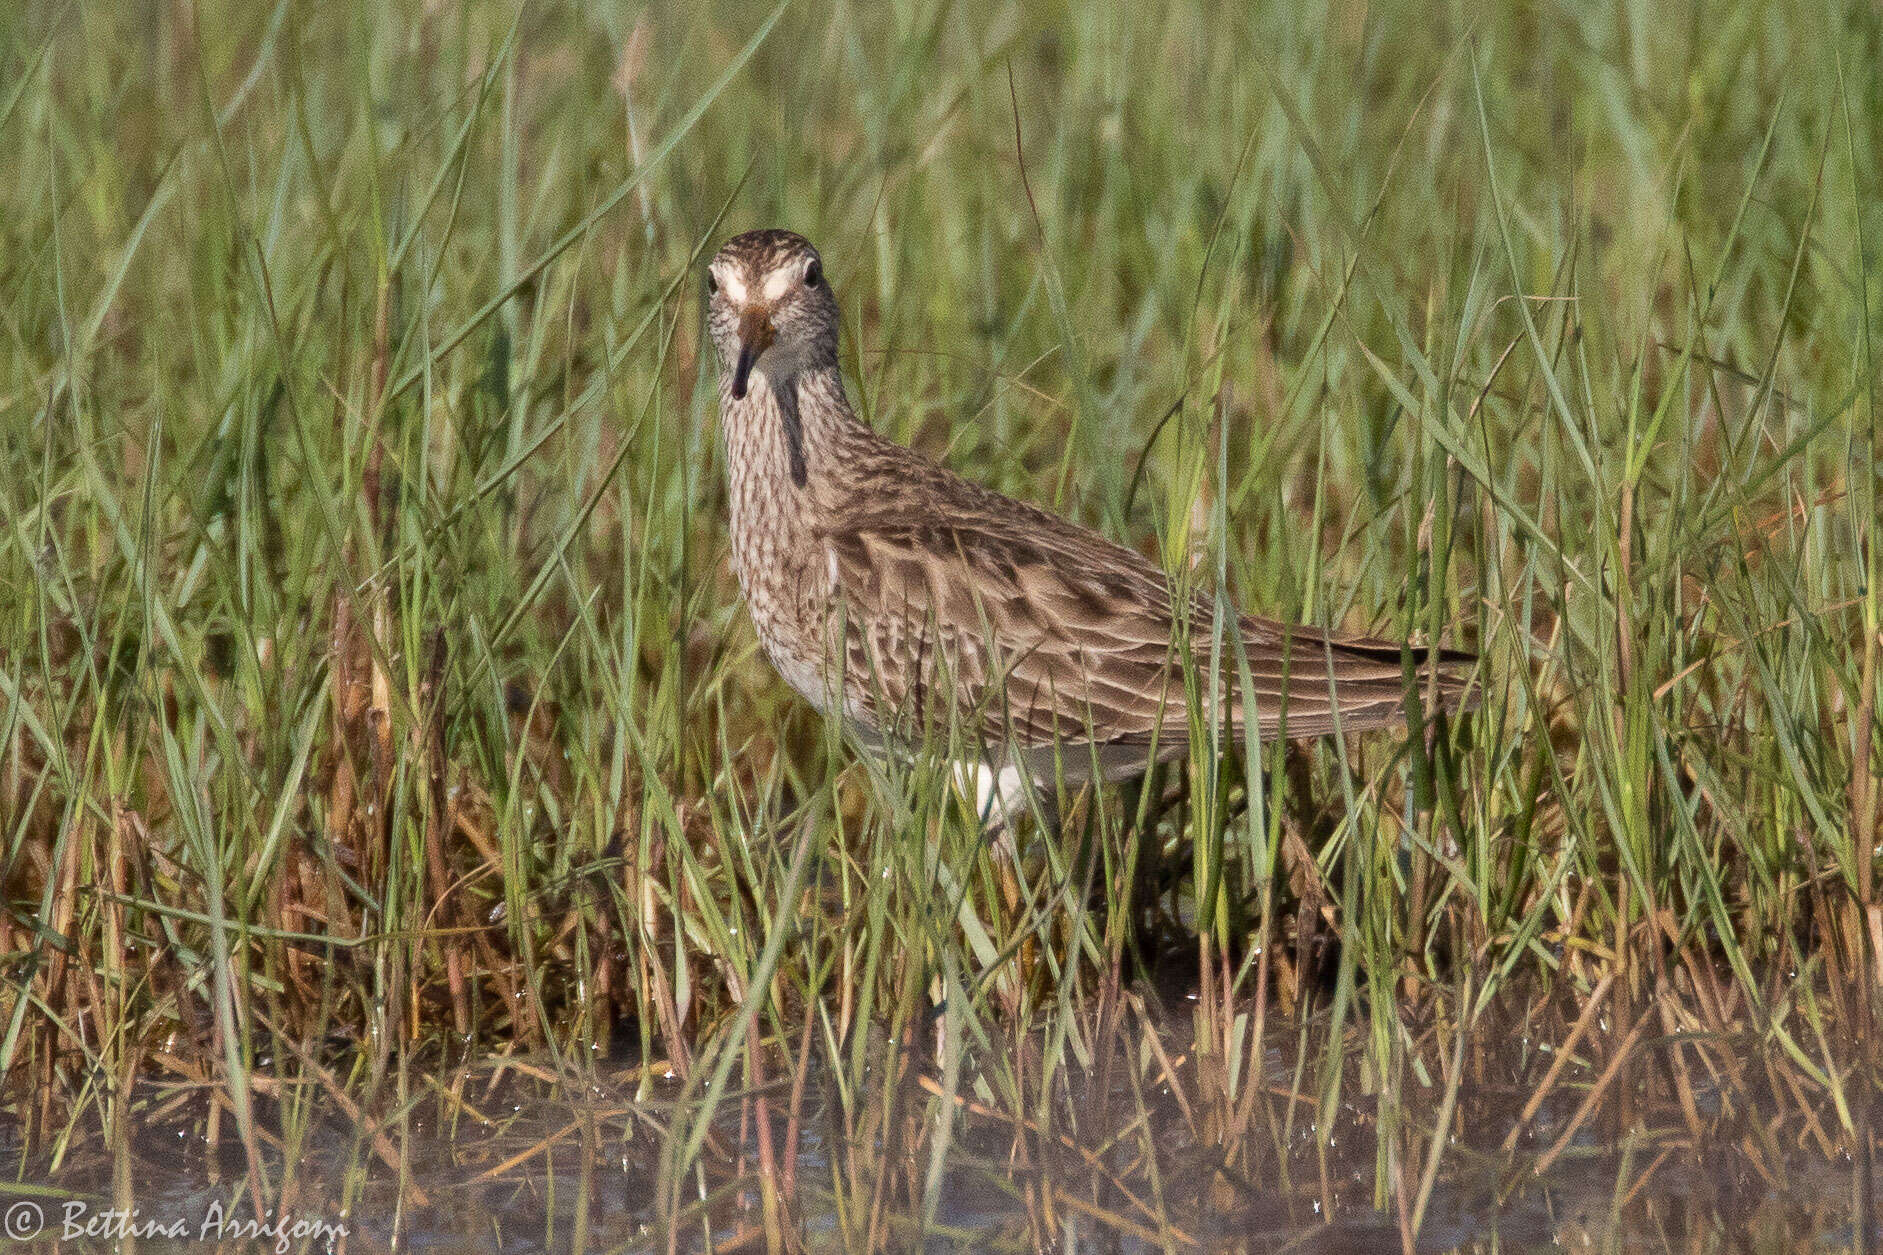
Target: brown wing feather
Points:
(1036, 630)
(945, 621)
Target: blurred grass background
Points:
(372, 675)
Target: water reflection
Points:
(517, 1167)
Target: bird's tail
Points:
(1303, 682)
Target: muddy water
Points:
(514, 1175)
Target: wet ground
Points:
(522, 1171)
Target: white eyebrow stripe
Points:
(777, 283)
(734, 286)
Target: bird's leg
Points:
(1001, 796)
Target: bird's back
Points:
(960, 605)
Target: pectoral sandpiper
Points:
(892, 591)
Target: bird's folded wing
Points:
(1034, 631)
(1009, 636)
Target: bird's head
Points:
(770, 308)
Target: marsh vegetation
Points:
(396, 807)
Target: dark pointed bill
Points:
(743, 371)
(755, 336)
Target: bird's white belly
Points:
(804, 675)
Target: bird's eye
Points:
(712, 284)
(813, 273)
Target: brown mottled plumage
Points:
(891, 589)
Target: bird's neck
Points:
(784, 439)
